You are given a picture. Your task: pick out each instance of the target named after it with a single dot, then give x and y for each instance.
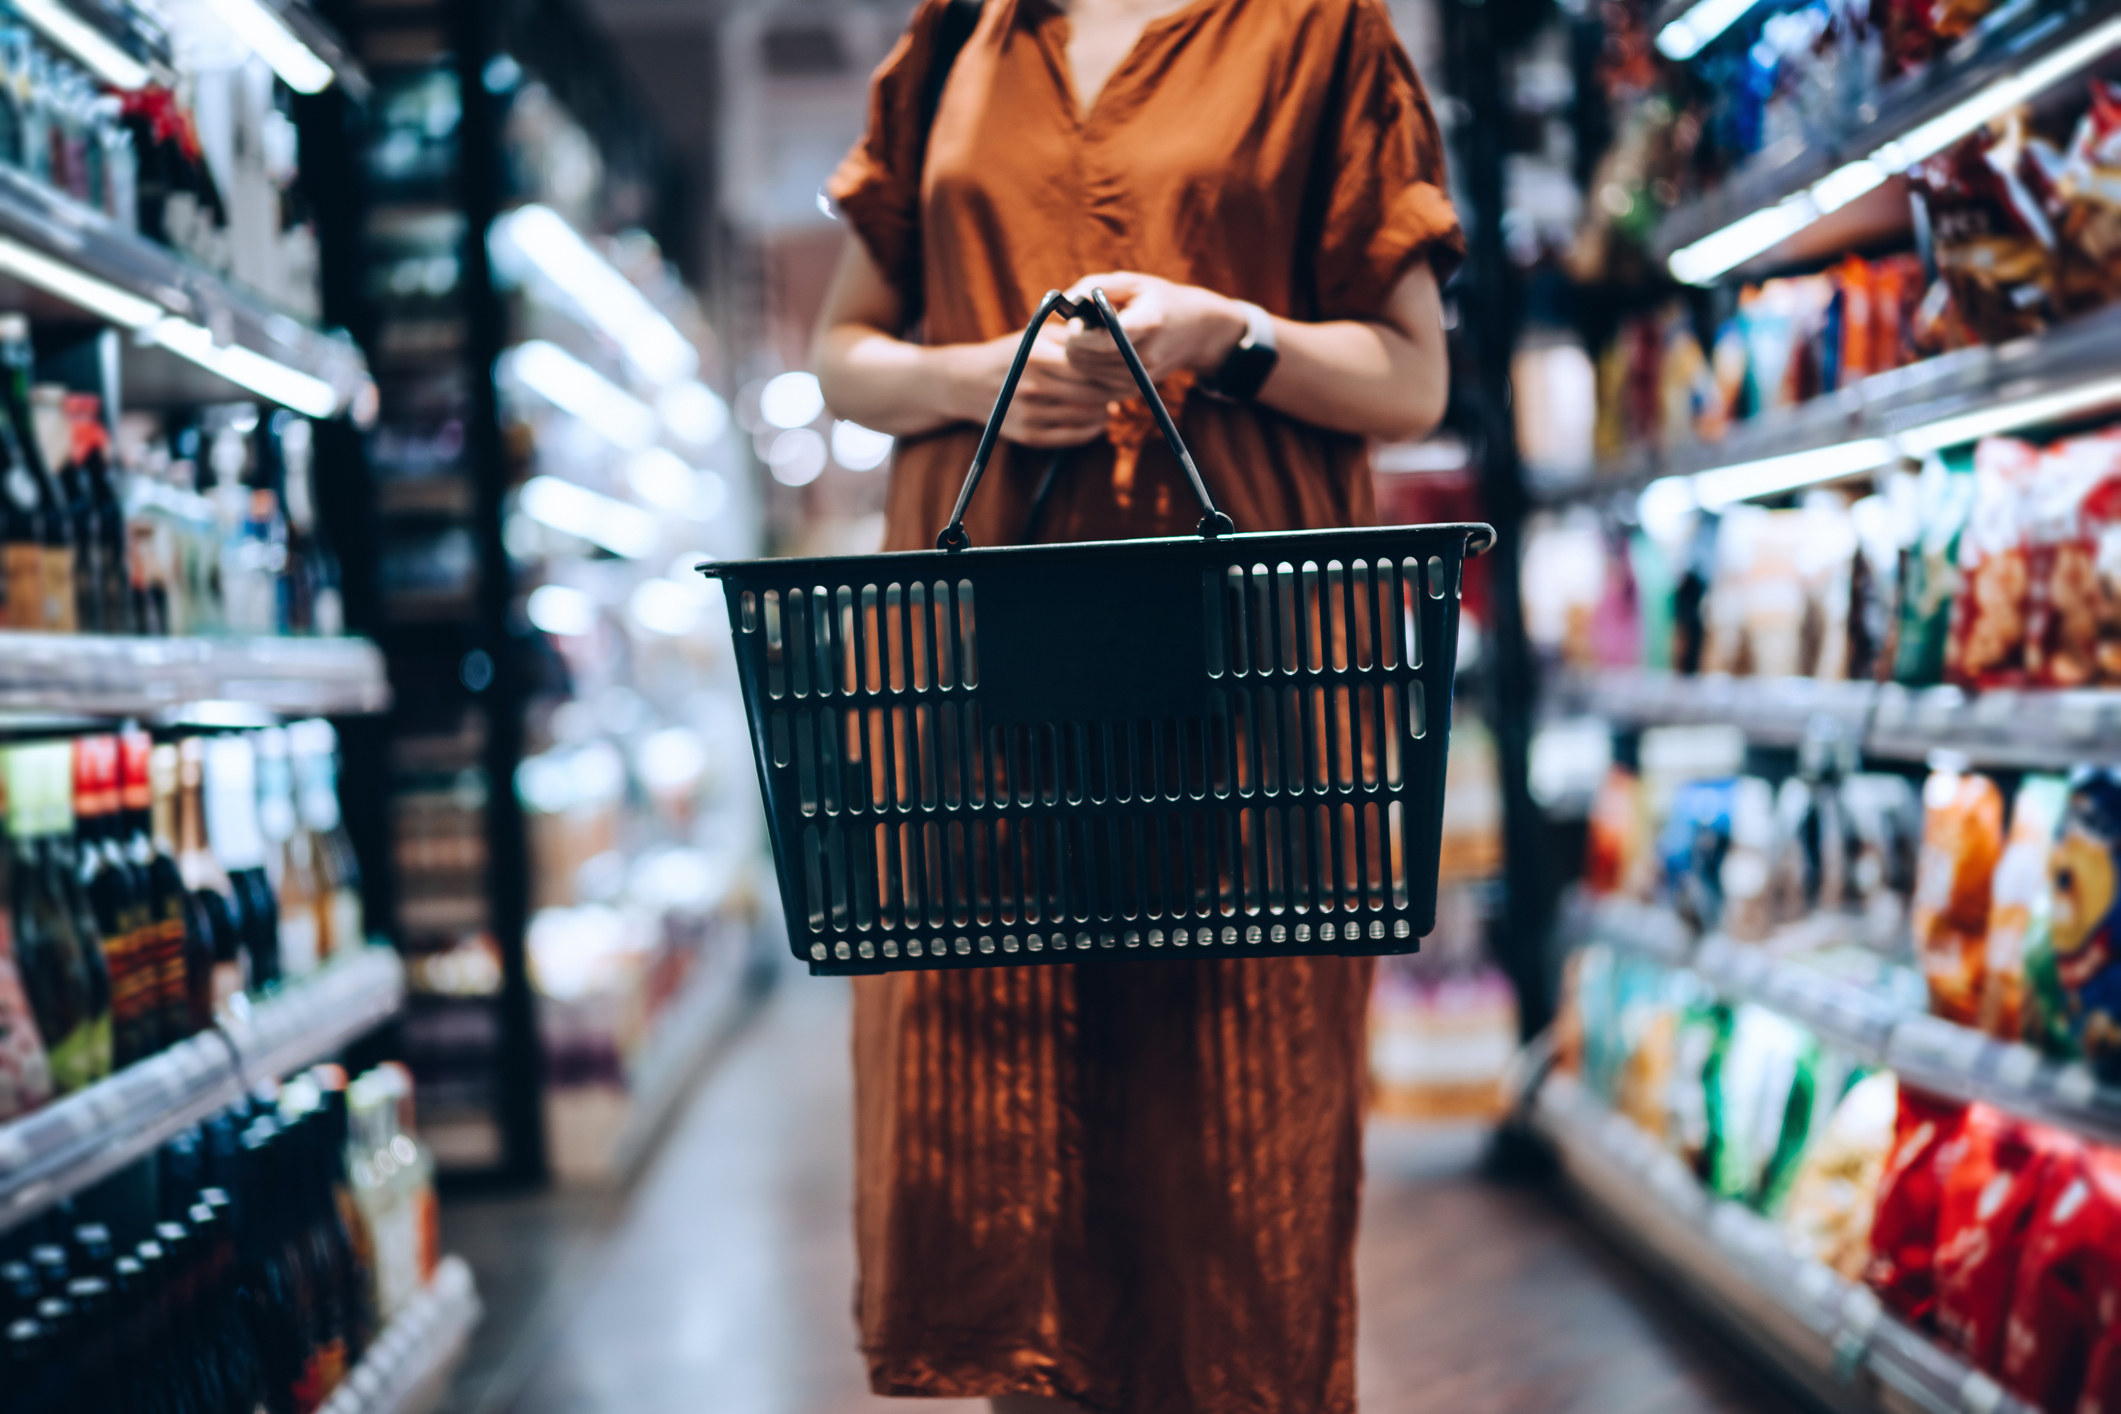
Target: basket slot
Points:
(967, 635)
(776, 665)
(1410, 611)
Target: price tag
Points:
(1859, 1319)
(2017, 1066)
(1978, 1394)
(2080, 715)
(1994, 709)
(2075, 1085)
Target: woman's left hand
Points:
(1172, 327)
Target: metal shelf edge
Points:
(122, 675)
(1816, 1326)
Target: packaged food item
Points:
(1616, 836)
(1902, 1266)
(1696, 834)
(2020, 902)
(1750, 864)
(1990, 614)
(2074, 980)
(1929, 579)
(2067, 1253)
(1993, 244)
(2088, 206)
(1760, 1102)
(1991, 1177)
(1835, 1189)
(1884, 839)
(1962, 838)
(2073, 621)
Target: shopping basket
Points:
(1220, 744)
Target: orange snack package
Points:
(1962, 838)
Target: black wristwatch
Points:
(1245, 371)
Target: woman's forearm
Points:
(891, 385)
(1368, 379)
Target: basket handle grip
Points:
(1095, 311)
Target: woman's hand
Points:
(1172, 327)
(1056, 404)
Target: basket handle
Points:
(1094, 311)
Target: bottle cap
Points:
(135, 775)
(95, 776)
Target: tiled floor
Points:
(722, 1285)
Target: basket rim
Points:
(1471, 529)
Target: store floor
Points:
(721, 1284)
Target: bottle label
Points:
(59, 616)
(298, 942)
(24, 566)
(172, 995)
(346, 929)
(73, 1060)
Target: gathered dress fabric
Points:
(1130, 1184)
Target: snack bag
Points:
(1697, 833)
(1835, 1190)
(2067, 1255)
(1962, 838)
(1989, 616)
(1616, 837)
(2020, 902)
(2078, 973)
(1994, 245)
(1929, 579)
(1991, 1175)
(1902, 1265)
(2073, 621)
(1884, 839)
(2088, 201)
(1762, 1088)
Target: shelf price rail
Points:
(75, 1141)
(1824, 1333)
(407, 1369)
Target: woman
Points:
(1130, 1186)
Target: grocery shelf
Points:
(2021, 729)
(407, 1369)
(86, 1136)
(121, 676)
(2015, 37)
(1873, 1026)
(1824, 1333)
(61, 260)
(2080, 354)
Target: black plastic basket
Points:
(1214, 744)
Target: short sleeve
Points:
(877, 186)
(1385, 204)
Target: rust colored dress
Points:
(1131, 1184)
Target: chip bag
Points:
(1962, 838)
(1994, 245)
(2066, 1262)
(2088, 200)
(1835, 1191)
(1902, 1266)
(1990, 615)
(1991, 1175)
(2077, 974)
(2073, 620)
(1929, 577)
(2021, 904)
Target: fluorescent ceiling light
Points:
(98, 297)
(791, 400)
(85, 42)
(268, 36)
(1720, 252)
(1686, 36)
(574, 387)
(541, 238)
(247, 368)
(623, 529)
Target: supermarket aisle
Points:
(724, 1285)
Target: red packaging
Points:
(2073, 559)
(2066, 1268)
(1986, 647)
(1991, 1173)
(1902, 1268)
(2102, 1373)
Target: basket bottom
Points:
(1375, 936)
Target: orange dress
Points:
(1132, 1184)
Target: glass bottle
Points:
(106, 885)
(68, 984)
(232, 829)
(25, 1068)
(22, 521)
(195, 949)
(290, 859)
(314, 745)
(317, 604)
(57, 579)
(206, 885)
(103, 596)
(155, 874)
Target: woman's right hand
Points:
(1055, 404)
